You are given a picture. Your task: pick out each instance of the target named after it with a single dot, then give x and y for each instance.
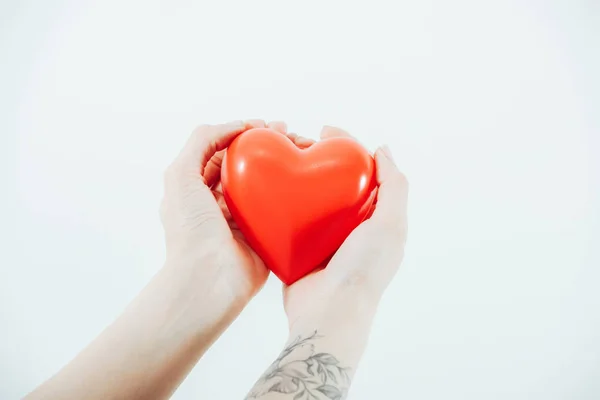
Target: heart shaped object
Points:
(296, 206)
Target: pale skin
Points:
(210, 274)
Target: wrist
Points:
(341, 330)
(201, 288)
(342, 309)
(191, 251)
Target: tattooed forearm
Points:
(300, 373)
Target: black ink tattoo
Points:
(298, 371)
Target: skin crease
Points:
(210, 274)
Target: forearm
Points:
(322, 353)
(153, 345)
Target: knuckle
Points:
(400, 180)
(204, 137)
(392, 229)
(403, 179)
(202, 129)
(172, 173)
(202, 133)
(162, 209)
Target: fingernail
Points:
(388, 153)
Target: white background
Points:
(491, 109)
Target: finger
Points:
(300, 141)
(392, 194)
(220, 199)
(372, 202)
(278, 126)
(303, 142)
(212, 171)
(331, 132)
(373, 206)
(205, 141)
(256, 123)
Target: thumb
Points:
(392, 194)
(205, 141)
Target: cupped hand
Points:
(199, 230)
(363, 266)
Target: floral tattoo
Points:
(301, 373)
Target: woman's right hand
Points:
(330, 311)
(368, 259)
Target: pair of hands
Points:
(198, 226)
(211, 273)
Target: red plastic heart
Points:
(295, 206)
